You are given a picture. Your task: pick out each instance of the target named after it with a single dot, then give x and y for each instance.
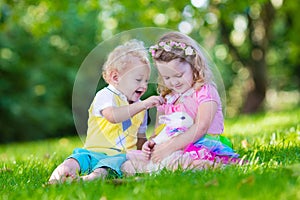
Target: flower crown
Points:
(168, 46)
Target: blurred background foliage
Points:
(255, 44)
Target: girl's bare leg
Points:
(185, 162)
(132, 167)
(67, 170)
(136, 163)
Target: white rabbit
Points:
(173, 124)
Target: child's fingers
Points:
(151, 144)
(147, 156)
(154, 101)
(146, 151)
(159, 100)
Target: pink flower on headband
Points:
(172, 43)
(182, 45)
(162, 44)
(153, 52)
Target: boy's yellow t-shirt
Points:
(109, 138)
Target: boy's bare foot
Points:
(67, 171)
(97, 173)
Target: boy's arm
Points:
(122, 113)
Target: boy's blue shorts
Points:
(90, 160)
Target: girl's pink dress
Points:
(213, 145)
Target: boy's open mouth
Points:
(139, 92)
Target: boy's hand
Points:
(147, 148)
(153, 101)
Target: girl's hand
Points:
(147, 148)
(153, 101)
(161, 151)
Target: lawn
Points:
(269, 141)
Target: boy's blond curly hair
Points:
(120, 56)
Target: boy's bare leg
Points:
(67, 170)
(97, 173)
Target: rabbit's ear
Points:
(163, 119)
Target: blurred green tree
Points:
(255, 45)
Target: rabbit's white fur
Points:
(177, 122)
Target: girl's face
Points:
(177, 76)
(133, 80)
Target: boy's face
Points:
(133, 80)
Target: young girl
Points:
(117, 118)
(185, 81)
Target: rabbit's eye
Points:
(182, 118)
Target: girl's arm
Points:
(205, 115)
(122, 113)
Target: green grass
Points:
(269, 141)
